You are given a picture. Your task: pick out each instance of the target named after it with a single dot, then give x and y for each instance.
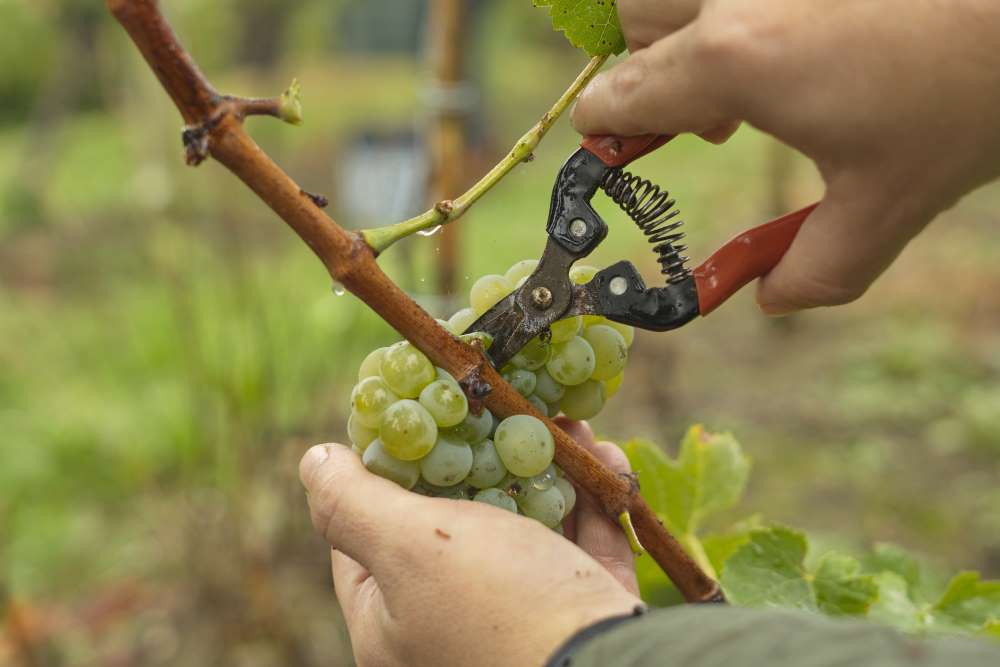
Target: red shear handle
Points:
(748, 256)
(619, 151)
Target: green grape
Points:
(383, 464)
(408, 431)
(513, 486)
(369, 400)
(372, 365)
(546, 388)
(581, 274)
(524, 444)
(455, 492)
(612, 386)
(406, 370)
(548, 506)
(591, 320)
(533, 355)
(520, 270)
(571, 362)
(361, 436)
(487, 468)
(446, 402)
(473, 429)
(565, 330)
(497, 498)
(442, 374)
(461, 321)
(523, 381)
(610, 351)
(484, 338)
(627, 332)
(553, 410)
(448, 463)
(568, 491)
(583, 401)
(540, 405)
(487, 291)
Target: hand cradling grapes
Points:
(411, 422)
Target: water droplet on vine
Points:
(338, 289)
(430, 232)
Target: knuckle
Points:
(735, 39)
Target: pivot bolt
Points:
(541, 297)
(578, 228)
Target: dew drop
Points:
(430, 232)
(338, 289)
(544, 481)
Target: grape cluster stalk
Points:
(411, 423)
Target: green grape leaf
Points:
(841, 589)
(708, 475)
(968, 604)
(720, 547)
(891, 558)
(992, 629)
(768, 571)
(591, 25)
(894, 605)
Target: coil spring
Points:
(653, 212)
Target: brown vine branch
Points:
(215, 128)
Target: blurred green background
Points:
(170, 349)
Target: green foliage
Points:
(766, 566)
(591, 25)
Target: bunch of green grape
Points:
(410, 421)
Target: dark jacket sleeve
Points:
(719, 636)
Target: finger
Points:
(646, 21)
(668, 88)
(839, 251)
(578, 430)
(357, 512)
(597, 534)
(350, 580)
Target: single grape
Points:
(610, 351)
(523, 381)
(461, 321)
(473, 429)
(406, 369)
(520, 270)
(487, 468)
(369, 400)
(448, 463)
(442, 374)
(408, 431)
(446, 402)
(564, 330)
(372, 365)
(591, 320)
(524, 444)
(548, 506)
(540, 405)
(581, 274)
(533, 355)
(568, 491)
(487, 291)
(497, 498)
(513, 486)
(627, 332)
(455, 492)
(485, 339)
(571, 362)
(383, 464)
(361, 436)
(546, 388)
(612, 386)
(583, 401)
(553, 410)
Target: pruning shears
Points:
(618, 292)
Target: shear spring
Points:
(653, 212)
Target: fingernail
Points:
(315, 457)
(775, 309)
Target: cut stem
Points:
(449, 210)
(625, 520)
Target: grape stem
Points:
(449, 210)
(625, 521)
(215, 128)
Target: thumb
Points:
(362, 515)
(844, 245)
(667, 88)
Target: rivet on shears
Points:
(541, 297)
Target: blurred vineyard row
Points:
(169, 349)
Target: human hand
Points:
(432, 581)
(895, 101)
